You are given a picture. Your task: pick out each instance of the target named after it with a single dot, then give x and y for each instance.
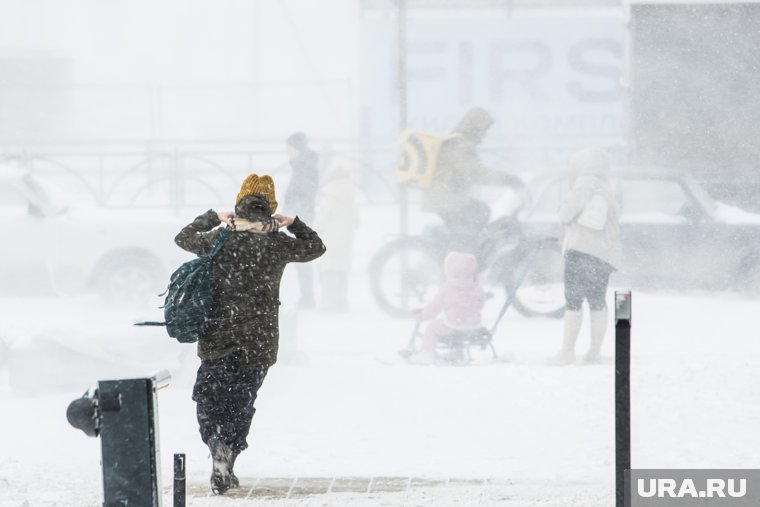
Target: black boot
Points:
(222, 457)
(234, 481)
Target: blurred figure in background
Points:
(458, 169)
(460, 300)
(592, 248)
(338, 218)
(300, 197)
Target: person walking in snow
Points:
(460, 301)
(592, 249)
(240, 342)
(300, 196)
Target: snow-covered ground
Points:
(345, 408)
(343, 404)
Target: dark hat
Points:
(475, 123)
(298, 141)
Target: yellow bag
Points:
(419, 157)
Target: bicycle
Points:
(405, 272)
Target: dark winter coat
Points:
(246, 285)
(459, 167)
(301, 194)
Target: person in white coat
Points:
(338, 213)
(592, 248)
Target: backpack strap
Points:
(214, 250)
(220, 241)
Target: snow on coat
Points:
(246, 285)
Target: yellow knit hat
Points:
(259, 185)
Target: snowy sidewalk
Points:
(387, 491)
(531, 434)
(299, 487)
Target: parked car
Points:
(53, 246)
(674, 234)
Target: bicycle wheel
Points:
(542, 293)
(404, 275)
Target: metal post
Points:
(179, 480)
(622, 392)
(402, 93)
(403, 113)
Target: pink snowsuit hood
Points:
(460, 268)
(461, 298)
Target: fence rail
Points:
(175, 176)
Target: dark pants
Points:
(466, 224)
(586, 277)
(224, 392)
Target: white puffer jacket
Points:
(590, 179)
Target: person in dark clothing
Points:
(300, 196)
(458, 169)
(301, 193)
(240, 342)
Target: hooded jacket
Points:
(589, 178)
(461, 298)
(246, 279)
(459, 168)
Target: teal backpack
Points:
(189, 298)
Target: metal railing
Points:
(176, 176)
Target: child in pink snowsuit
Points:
(460, 300)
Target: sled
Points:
(455, 348)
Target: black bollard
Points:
(179, 480)
(124, 414)
(129, 442)
(622, 392)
